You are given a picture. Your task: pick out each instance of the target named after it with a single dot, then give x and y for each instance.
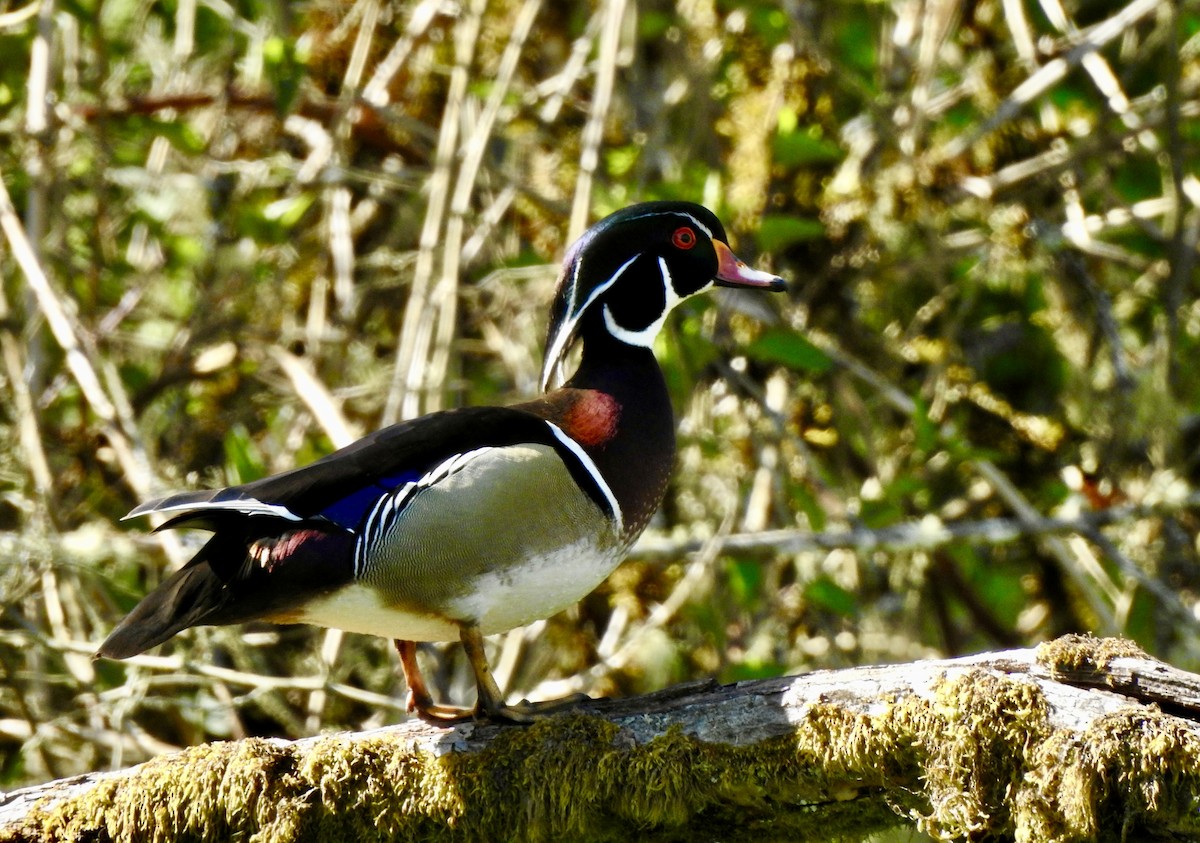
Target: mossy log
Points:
(1081, 739)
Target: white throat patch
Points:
(645, 336)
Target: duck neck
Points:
(618, 369)
(637, 460)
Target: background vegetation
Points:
(238, 234)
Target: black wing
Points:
(337, 490)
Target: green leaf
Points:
(777, 232)
(653, 25)
(1143, 620)
(879, 513)
(119, 19)
(284, 68)
(289, 210)
(275, 50)
(621, 160)
(769, 23)
(745, 581)
(185, 251)
(806, 502)
(997, 586)
(242, 458)
(827, 594)
(747, 671)
(182, 136)
(923, 426)
(709, 620)
(788, 348)
(801, 148)
(856, 42)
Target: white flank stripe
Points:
(246, 506)
(591, 468)
(450, 466)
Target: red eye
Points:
(684, 238)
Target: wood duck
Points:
(472, 521)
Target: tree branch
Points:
(1047, 744)
(929, 533)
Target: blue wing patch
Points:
(349, 512)
(381, 511)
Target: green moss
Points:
(1085, 653)
(572, 777)
(975, 757)
(1133, 775)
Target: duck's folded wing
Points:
(339, 489)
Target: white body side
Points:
(507, 539)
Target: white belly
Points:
(495, 601)
(357, 608)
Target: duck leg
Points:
(491, 701)
(420, 701)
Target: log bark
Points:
(1081, 738)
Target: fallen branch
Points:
(1080, 739)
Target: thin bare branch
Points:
(593, 131)
(13, 19)
(1049, 74)
(446, 292)
(928, 533)
(410, 384)
(28, 431)
(66, 335)
(1093, 583)
(317, 397)
(557, 87)
(376, 90)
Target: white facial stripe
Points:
(695, 221)
(562, 337)
(601, 288)
(591, 469)
(700, 225)
(556, 345)
(645, 337)
(576, 267)
(569, 259)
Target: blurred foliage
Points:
(267, 228)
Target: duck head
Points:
(629, 270)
